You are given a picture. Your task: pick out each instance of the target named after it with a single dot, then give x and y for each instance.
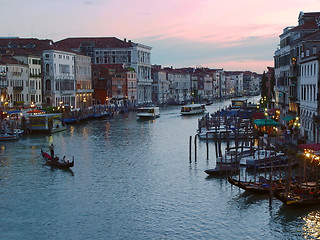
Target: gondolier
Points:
(51, 151)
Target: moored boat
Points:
(259, 157)
(260, 187)
(47, 123)
(303, 199)
(221, 170)
(56, 162)
(9, 136)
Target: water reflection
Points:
(312, 225)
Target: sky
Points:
(229, 34)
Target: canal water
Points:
(132, 180)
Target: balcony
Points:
(17, 88)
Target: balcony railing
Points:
(17, 88)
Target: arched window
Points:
(47, 68)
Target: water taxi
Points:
(148, 112)
(191, 109)
(47, 123)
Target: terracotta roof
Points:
(97, 42)
(9, 60)
(28, 43)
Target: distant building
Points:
(114, 84)
(111, 50)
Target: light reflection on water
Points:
(312, 225)
(132, 179)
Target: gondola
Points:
(303, 199)
(60, 163)
(260, 187)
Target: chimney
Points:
(125, 40)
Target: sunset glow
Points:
(235, 35)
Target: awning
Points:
(14, 111)
(265, 122)
(310, 146)
(36, 111)
(287, 118)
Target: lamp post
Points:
(265, 121)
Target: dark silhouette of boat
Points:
(303, 198)
(260, 187)
(56, 162)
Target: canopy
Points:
(265, 122)
(36, 111)
(14, 111)
(287, 118)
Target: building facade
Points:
(83, 81)
(59, 85)
(110, 50)
(35, 73)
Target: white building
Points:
(309, 90)
(179, 85)
(18, 84)
(34, 83)
(83, 79)
(59, 78)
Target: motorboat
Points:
(148, 112)
(230, 157)
(5, 136)
(192, 109)
(260, 156)
(217, 133)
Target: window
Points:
(47, 56)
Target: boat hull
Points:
(58, 164)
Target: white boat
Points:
(148, 112)
(47, 123)
(9, 136)
(6, 135)
(230, 157)
(192, 109)
(219, 133)
(258, 156)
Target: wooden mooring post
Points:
(190, 145)
(195, 148)
(207, 142)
